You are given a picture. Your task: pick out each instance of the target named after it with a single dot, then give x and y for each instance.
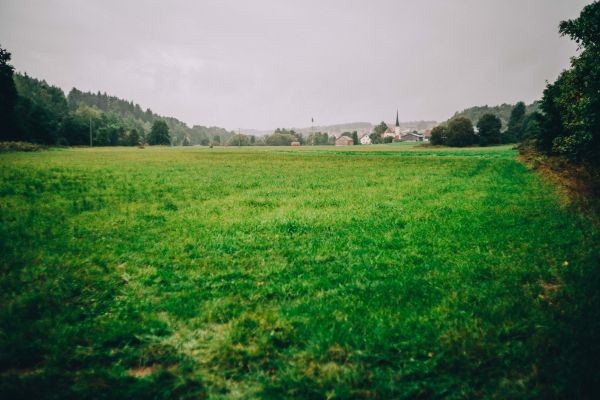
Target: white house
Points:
(365, 139)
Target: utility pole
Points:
(91, 144)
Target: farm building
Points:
(344, 141)
(295, 143)
(411, 137)
(365, 139)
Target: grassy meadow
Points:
(391, 271)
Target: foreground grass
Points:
(366, 272)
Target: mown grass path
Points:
(367, 272)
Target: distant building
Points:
(365, 139)
(295, 143)
(427, 134)
(344, 141)
(411, 137)
(394, 132)
(402, 136)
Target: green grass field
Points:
(364, 272)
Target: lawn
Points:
(363, 272)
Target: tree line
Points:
(565, 122)
(34, 111)
(460, 131)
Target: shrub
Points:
(438, 135)
(460, 132)
(488, 128)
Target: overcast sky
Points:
(275, 63)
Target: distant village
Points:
(339, 135)
(390, 135)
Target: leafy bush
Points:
(571, 121)
(438, 135)
(488, 128)
(460, 133)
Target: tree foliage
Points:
(514, 132)
(439, 135)
(239, 140)
(35, 111)
(378, 131)
(8, 97)
(318, 138)
(571, 105)
(159, 134)
(283, 137)
(460, 133)
(488, 129)
(501, 111)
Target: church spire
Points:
(397, 122)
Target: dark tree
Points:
(133, 139)
(514, 133)
(8, 98)
(355, 137)
(533, 125)
(439, 135)
(552, 126)
(159, 134)
(460, 132)
(571, 104)
(488, 128)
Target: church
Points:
(398, 136)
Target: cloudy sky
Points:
(276, 63)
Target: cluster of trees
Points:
(319, 139)
(32, 110)
(459, 131)
(502, 111)
(377, 135)
(283, 137)
(570, 121)
(567, 119)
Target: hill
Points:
(502, 111)
(45, 115)
(179, 130)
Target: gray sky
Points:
(275, 63)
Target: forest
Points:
(34, 111)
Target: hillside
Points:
(45, 115)
(179, 130)
(502, 111)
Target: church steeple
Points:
(397, 128)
